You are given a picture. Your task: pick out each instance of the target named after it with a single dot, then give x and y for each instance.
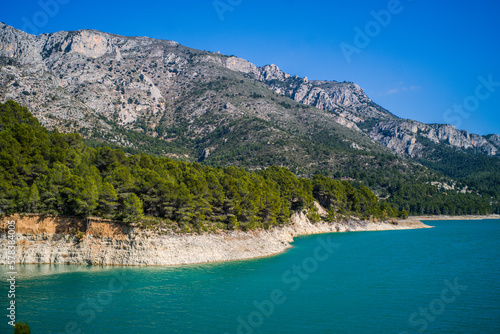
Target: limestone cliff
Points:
(407, 136)
(346, 99)
(51, 239)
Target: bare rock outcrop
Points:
(406, 136)
(51, 239)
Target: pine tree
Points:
(132, 209)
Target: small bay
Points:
(440, 280)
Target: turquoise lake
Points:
(440, 280)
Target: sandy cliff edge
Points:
(48, 239)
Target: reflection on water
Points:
(26, 271)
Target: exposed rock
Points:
(241, 65)
(344, 98)
(405, 136)
(353, 107)
(272, 72)
(205, 154)
(44, 240)
(18, 45)
(495, 140)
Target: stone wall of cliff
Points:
(57, 240)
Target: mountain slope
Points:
(157, 96)
(192, 101)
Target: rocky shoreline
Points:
(52, 240)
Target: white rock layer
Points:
(139, 247)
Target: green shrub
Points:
(21, 328)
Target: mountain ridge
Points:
(347, 100)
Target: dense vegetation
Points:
(406, 185)
(201, 124)
(479, 171)
(42, 172)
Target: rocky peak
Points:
(344, 93)
(18, 45)
(346, 99)
(272, 72)
(241, 65)
(495, 140)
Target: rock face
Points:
(51, 240)
(495, 140)
(59, 71)
(406, 136)
(346, 99)
(353, 108)
(241, 65)
(98, 84)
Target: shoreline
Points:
(48, 240)
(448, 217)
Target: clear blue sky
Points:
(420, 65)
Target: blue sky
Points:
(433, 61)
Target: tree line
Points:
(51, 172)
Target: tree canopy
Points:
(51, 172)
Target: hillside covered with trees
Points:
(44, 172)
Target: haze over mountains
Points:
(160, 97)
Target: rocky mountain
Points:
(136, 81)
(131, 90)
(356, 110)
(345, 99)
(157, 96)
(413, 138)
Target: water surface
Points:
(440, 280)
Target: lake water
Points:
(441, 280)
